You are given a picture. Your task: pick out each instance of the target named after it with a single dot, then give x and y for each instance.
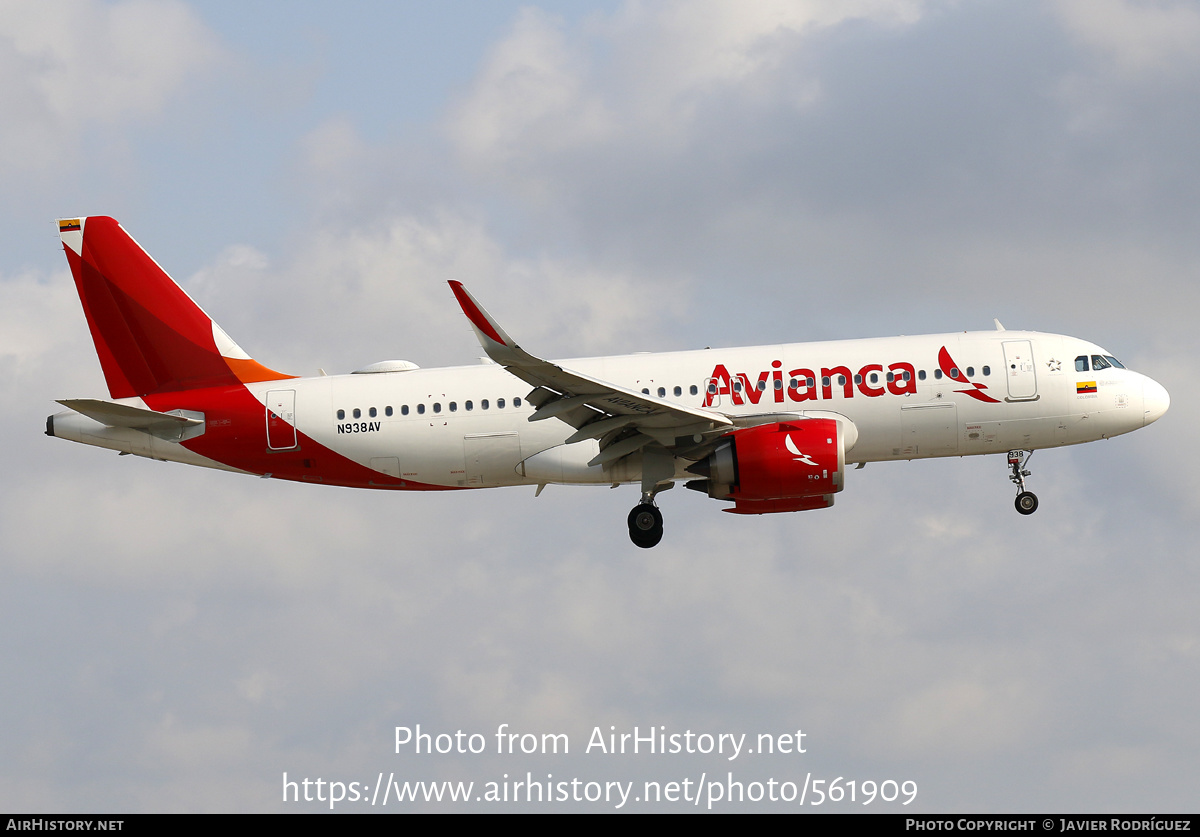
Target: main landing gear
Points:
(645, 524)
(1027, 501)
(646, 521)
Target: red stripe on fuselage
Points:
(235, 435)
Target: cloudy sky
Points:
(608, 177)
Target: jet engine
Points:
(786, 466)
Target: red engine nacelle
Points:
(792, 466)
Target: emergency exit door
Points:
(1018, 368)
(281, 419)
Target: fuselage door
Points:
(929, 429)
(1018, 364)
(281, 419)
(492, 458)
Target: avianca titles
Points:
(766, 428)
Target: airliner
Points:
(767, 429)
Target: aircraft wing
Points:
(623, 419)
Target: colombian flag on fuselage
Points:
(1083, 387)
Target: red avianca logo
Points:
(804, 384)
(950, 368)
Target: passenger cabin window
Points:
(404, 410)
(387, 411)
(920, 375)
(970, 371)
(483, 405)
(679, 391)
(372, 412)
(341, 414)
(937, 374)
(516, 402)
(987, 370)
(695, 391)
(357, 413)
(1081, 363)
(420, 409)
(662, 392)
(470, 406)
(437, 407)
(499, 403)
(454, 406)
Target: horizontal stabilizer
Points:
(165, 425)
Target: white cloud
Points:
(529, 91)
(379, 291)
(680, 47)
(65, 67)
(1139, 38)
(36, 313)
(547, 90)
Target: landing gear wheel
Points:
(645, 525)
(1027, 502)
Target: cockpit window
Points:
(1114, 361)
(1099, 363)
(1081, 363)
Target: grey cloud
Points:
(182, 637)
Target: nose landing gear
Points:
(1027, 501)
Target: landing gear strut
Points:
(1027, 501)
(646, 521)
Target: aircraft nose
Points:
(1155, 400)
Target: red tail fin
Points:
(150, 336)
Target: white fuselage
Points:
(468, 426)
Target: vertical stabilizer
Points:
(150, 336)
